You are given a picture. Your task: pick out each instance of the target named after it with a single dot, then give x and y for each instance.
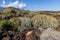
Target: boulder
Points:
(50, 34)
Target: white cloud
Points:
(3, 2)
(16, 4)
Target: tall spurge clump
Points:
(44, 21)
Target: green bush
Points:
(6, 25)
(10, 12)
(44, 21)
(33, 13)
(2, 16)
(15, 20)
(22, 13)
(7, 12)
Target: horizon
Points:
(32, 5)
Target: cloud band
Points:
(15, 4)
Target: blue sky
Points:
(37, 5)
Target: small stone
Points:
(5, 38)
(30, 35)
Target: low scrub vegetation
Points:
(11, 18)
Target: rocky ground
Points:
(16, 35)
(48, 34)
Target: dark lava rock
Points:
(16, 38)
(1, 32)
(11, 33)
(4, 34)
